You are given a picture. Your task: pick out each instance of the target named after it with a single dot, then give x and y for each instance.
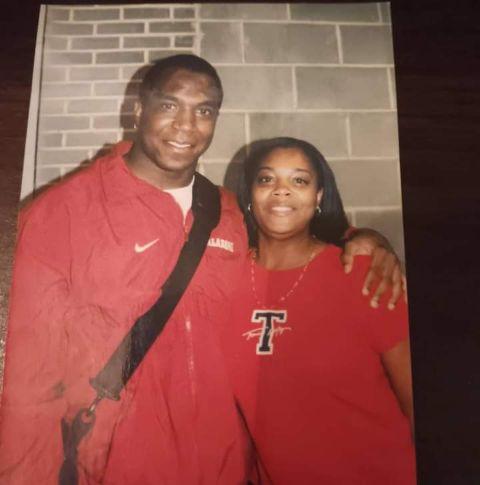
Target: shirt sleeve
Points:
(388, 327)
(32, 401)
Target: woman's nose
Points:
(281, 188)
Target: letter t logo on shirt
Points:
(268, 319)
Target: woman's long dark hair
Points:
(330, 225)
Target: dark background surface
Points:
(437, 56)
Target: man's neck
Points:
(143, 168)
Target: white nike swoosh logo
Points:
(140, 249)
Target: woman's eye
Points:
(300, 181)
(264, 179)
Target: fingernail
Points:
(374, 303)
(348, 268)
(365, 291)
(391, 306)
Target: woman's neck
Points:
(275, 254)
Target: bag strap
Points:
(133, 348)
(110, 381)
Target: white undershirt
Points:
(183, 197)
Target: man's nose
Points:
(184, 119)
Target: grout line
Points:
(197, 43)
(391, 94)
(294, 88)
(222, 64)
(301, 64)
(373, 208)
(213, 21)
(353, 215)
(287, 21)
(379, 11)
(225, 110)
(242, 41)
(339, 43)
(349, 135)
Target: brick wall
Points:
(321, 72)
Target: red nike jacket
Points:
(91, 257)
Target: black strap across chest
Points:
(122, 364)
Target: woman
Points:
(322, 380)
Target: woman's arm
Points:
(397, 364)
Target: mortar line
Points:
(198, 33)
(348, 134)
(242, 41)
(390, 89)
(379, 11)
(339, 43)
(294, 88)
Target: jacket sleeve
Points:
(32, 401)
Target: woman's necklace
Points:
(290, 291)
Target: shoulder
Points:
(57, 199)
(77, 191)
(328, 266)
(229, 201)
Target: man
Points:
(92, 255)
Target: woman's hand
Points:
(385, 268)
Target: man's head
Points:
(180, 98)
(162, 68)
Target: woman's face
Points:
(285, 194)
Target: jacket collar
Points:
(118, 182)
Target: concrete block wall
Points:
(321, 72)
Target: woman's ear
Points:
(319, 197)
(137, 113)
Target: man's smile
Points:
(179, 145)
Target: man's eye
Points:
(205, 111)
(167, 106)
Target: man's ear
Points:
(319, 197)
(137, 112)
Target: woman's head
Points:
(291, 190)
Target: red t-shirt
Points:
(309, 380)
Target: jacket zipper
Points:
(193, 387)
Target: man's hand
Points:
(384, 269)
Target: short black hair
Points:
(163, 67)
(330, 225)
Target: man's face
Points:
(176, 122)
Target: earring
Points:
(249, 207)
(318, 209)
